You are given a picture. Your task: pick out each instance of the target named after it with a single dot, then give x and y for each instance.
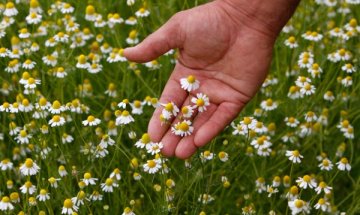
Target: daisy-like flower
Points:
(326, 164)
(82, 64)
(137, 107)
(223, 156)
(347, 81)
(310, 117)
(183, 128)
(261, 142)
(131, 21)
(306, 181)
(343, 164)
(170, 110)
(152, 166)
(133, 38)
(307, 89)
(57, 120)
(323, 205)
(79, 198)
(127, 210)
(115, 174)
(6, 164)
(187, 111)
(291, 42)
(109, 185)
(201, 101)
(306, 59)
(299, 206)
(28, 64)
(291, 122)
(349, 68)
(268, 105)
(206, 156)
(66, 138)
(66, 8)
(61, 37)
(28, 187)
(5, 107)
(53, 182)
(43, 195)
(190, 83)
(271, 190)
(33, 18)
(312, 36)
(96, 196)
(260, 185)
(88, 179)
(153, 65)
(62, 171)
(294, 156)
(69, 207)
(111, 91)
(323, 187)
(5, 204)
(124, 118)
(329, 96)
(91, 121)
(145, 140)
(29, 167)
(154, 148)
(56, 108)
(106, 141)
(142, 12)
(349, 132)
(10, 10)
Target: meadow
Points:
(74, 114)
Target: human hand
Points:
(228, 51)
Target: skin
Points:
(229, 54)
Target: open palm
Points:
(228, 57)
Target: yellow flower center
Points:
(87, 175)
(169, 107)
(23, 133)
(56, 104)
(307, 178)
(125, 113)
(43, 192)
(68, 203)
(91, 118)
(137, 104)
(133, 34)
(291, 39)
(29, 163)
(151, 163)
(109, 182)
(344, 160)
(191, 79)
(82, 59)
(296, 153)
(28, 184)
(183, 126)
(200, 102)
(5, 199)
(145, 138)
(299, 203)
(90, 10)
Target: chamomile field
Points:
(74, 114)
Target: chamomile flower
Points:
(322, 186)
(307, 89)
(10, 10)
(54, 182)
(306, 181)
(201, 101)
(294, 156)
(124, 118)
(223, 156)
(268, 105)
(88, 180)
(329, 96)
(5, 204)
(291, 42)
(152, 166)
(115, 174)
(28, 188)
(56, 108)
(132, 38)
(6, 164)
(137, 107)
(66, 138)
(23, 137)
(62, 171)
(66, 8)
(142, 12)
(183, 128)
(154, 148)
(57, 120)
(326, 164)
(323, 205)
(69, 207)
(109, 185)
(206, 156)
(145, 139)
(190, 83)
(187, 111)
(312, 36)
(170, 110)
(299, 206)
(78, 200)
(131, 21)
(343, 164)
(261, 142)
(91, 121)
(291, 122)
(29, 167)
(43, 195)
(127, 210)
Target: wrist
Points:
(267, 17)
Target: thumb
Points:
(158, 43)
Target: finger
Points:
(186, 146)
(158, 43)
(224, 114)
